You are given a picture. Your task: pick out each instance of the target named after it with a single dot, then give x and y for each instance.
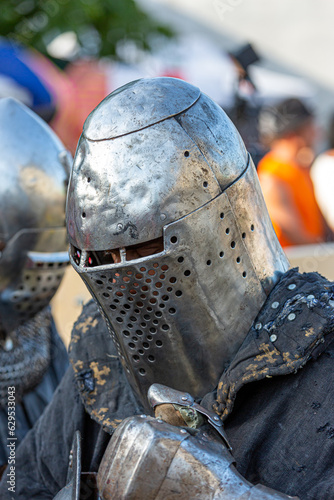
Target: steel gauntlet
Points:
(149, 459)
(184, 453)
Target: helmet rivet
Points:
(184, 398)
(273, 338)
(258, 326)
(291, 316)
(216, 419)
(8, 344)
(119, 226)
(183, 431)
(292, 286)
(275, 305)
(163, 216)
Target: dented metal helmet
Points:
(159, 166)
(34, 170)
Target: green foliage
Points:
(99, 24)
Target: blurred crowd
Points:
(271, 111)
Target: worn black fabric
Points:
(281, 428)
(98, 370)
(295, 324)
(282, 431)
(42, 458)
(32, 404)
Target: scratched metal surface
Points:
(34, 168)
(185, 311)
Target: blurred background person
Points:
(289, 130)
(34, 170)
(66, 57)
(20, 78)
(322, 174)
(42, 41)
(34, 80)
(246, 107)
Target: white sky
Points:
(296, 33)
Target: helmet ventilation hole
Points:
(146, 316)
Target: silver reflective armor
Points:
(34, 168)
(148, 459)
(157, 158)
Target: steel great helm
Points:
(34, 170)
(160, 161)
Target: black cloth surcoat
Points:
(277, 399)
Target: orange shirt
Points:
(301, 190)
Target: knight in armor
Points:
(197, 322)
(34, 170)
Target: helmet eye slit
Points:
(117, 255)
